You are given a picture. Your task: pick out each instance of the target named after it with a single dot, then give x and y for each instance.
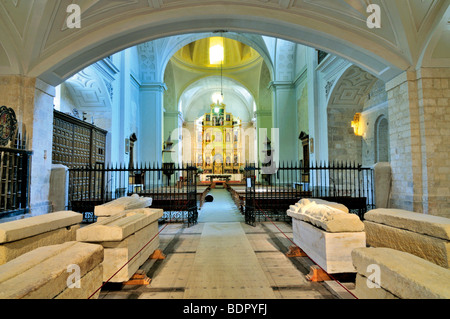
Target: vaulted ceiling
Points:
(36, 41)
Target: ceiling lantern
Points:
(216, 50)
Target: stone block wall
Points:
(404, 142)
(434, 123)
(419, 118)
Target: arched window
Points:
(381, 139)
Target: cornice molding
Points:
(155, 86)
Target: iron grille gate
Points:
(191, 190)
(269, 193)
(172, 188)
(14, 181)
(250, 183)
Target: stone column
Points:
(419, 119)
(172, 129)
(284, 117)
(405, 142)
(151, 122)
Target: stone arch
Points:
(345, 100)
(199, 88)
(117, 27)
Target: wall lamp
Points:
(356, 124)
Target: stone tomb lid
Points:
(119, 226)
(31, 226)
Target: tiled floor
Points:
(223, 258)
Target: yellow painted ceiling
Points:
(236, 54)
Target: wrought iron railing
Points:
(270, 191)
(172, 187)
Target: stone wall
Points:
(343, 144)
(375, 108)
(419, 119)
(32, 101)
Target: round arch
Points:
(381, 136)
(345, 100)
(200, 91)
(176, 43)
(120, 30)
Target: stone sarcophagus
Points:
(128, 238)
(71, 270)
(21, 236)
(327, 233)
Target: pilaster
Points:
(284, 118)
(419, 119)
(151, 122)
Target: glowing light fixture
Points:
(217, 98)
(216, 56)
(216, 50)
(356, 125)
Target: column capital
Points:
(263, 112)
